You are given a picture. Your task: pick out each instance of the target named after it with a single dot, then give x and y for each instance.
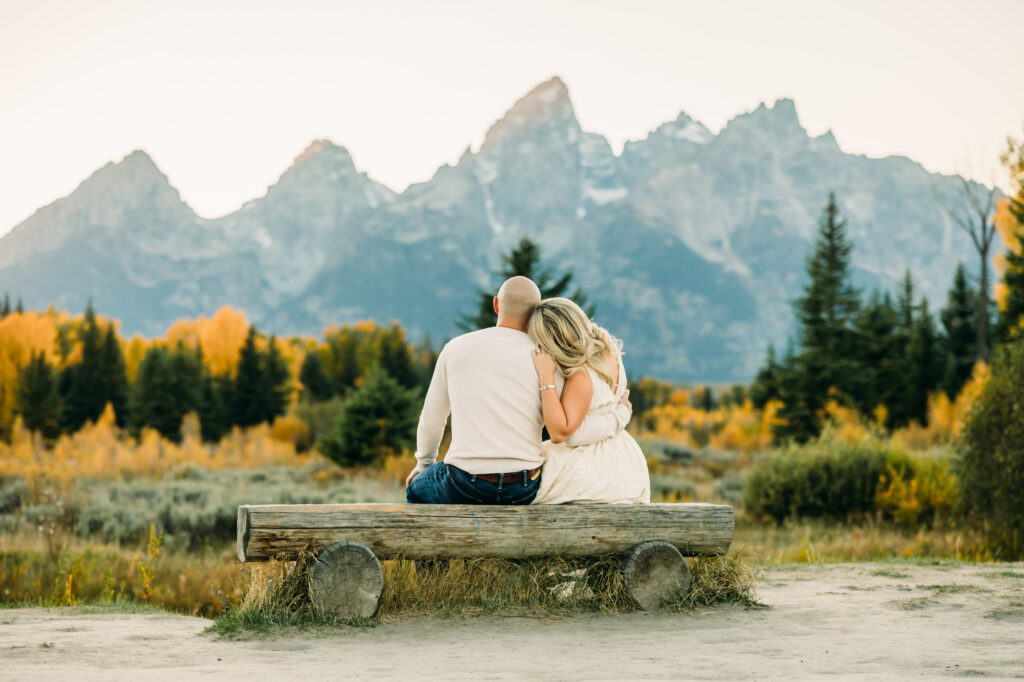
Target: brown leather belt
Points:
(509, 477)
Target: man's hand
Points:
(624, 400)
(412, 475)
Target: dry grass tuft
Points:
(728, 579)
(275, 593)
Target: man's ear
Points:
(495, 305)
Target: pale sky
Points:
(223, 95)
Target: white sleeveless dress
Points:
(613, 470)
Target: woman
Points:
(612, 470)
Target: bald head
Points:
(515, 302)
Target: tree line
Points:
(883, 354)
(170, 382)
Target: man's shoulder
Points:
(491, 337)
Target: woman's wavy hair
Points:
(563, 331)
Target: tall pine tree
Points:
(86, 395)
(765, 386)
(878, 353)
(959, 320)
(36, 398)
(250, 388)
(261, 390)
(113, 375)
(523, 260)
(316, 385)
(278, 381)
(153, 400)
(825, 314)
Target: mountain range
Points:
(691, 244)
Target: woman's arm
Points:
(562, 417)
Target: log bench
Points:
(349, 539)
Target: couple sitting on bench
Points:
(544, 364)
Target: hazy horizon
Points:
(225, 97)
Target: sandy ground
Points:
(856, 621)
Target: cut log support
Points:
(346, 580)
(653, 572)
(427, 531)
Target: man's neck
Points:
(507, 324)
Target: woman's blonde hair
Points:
(563, 331)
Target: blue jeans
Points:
(443, 484)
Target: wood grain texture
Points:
(346, 580)
(425, 531)
(653, 572)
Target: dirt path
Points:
(851, 621)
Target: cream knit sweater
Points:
(487, 382)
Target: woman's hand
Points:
(545, 366)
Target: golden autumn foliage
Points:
(101, 450)
(1010, 231)
(743, 428)
(734, 427)
(221, 338)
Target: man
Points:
(487, 381)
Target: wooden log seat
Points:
(349, 540)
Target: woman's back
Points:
(613, 470)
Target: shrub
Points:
(991, 448)
(825, 478)
(919, 496)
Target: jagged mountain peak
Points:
(322, 151)
(685, 128)
(780, 119)
(135, 167)
(547, 104)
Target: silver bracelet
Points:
(544, 388)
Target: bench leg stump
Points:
(654, 571)
(346, 580)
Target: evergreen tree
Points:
(878, 353)
(524, 260)
(278, 382)
(113, 375)
(825, 313)
(765, 386)
(800, 414)
(380, 416)
(169, 385)
(904, 401)
(316, 386)
(5, 306)
(153, 399)
(186, 369)
(960, 334)
(261, 390)
(36, 398)
(251, 388)
(925, 350)
(86, 397)
(212, 412)
(20, 308)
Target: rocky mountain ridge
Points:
(691, 243)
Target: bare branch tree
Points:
(976, 217)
